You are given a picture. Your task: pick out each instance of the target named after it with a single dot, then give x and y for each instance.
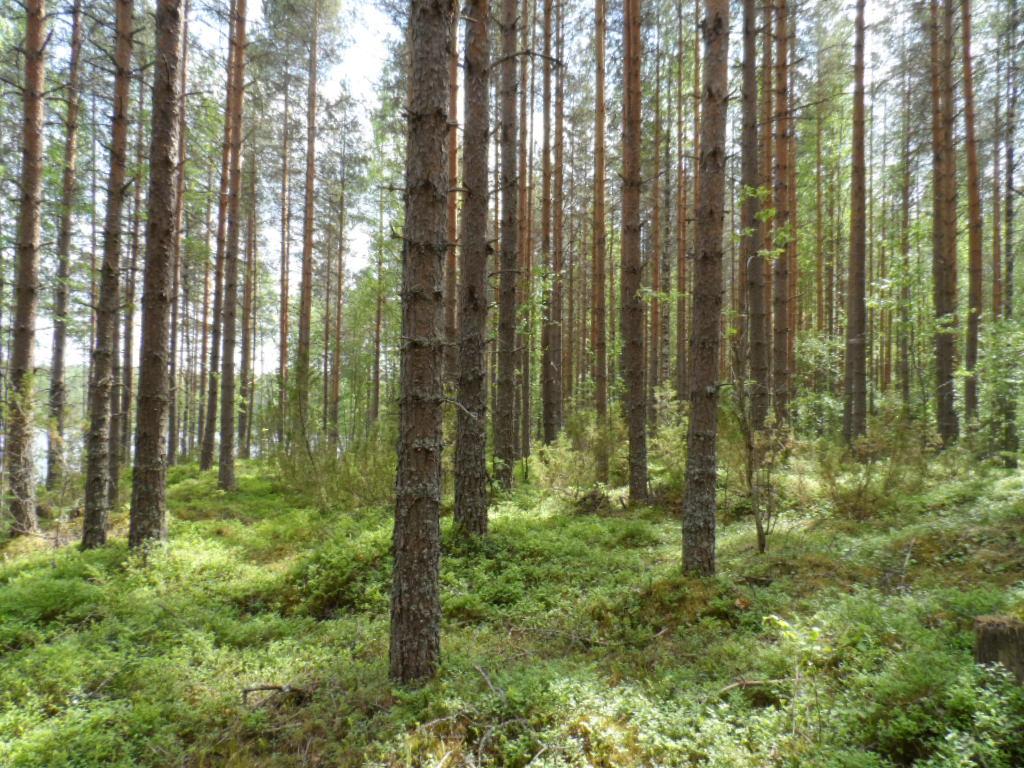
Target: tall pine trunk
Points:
(226, 465)
(21, 396)
(97, 439)
(855, 372)
(415, 595)
(600, 249)
(504, 447)
(69, 191)
(148, 520)
(632, 269)
(699, 508)
(471, 492)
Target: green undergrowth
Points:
(571, 638)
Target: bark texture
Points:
(471, 496)
(700, 506)
(632, 268)
(149, 478)
(104, 352)
(18, 446)
(415, 595)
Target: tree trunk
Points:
(504, 448)
(751, 227)
(226, 465)
(1010, 443)
(597, 327)
(148, 512)
(681, 382)
(174, 432)
(855, 380)
(944, 226)
(213, 385)
(450, 273)
(97, 439)
(69, 192)
(699, 508)
(248, 319)
(783, 225)
(974, 224)
(301, 389)
(339, 304)
(128, 334)
(286, 221)
(654, 337)
(471, 493)
(632, 268)
(415, 595)
(18, 453)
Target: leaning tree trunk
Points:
(18, 453)
(699, 508)
(226, 465)
(415, 594)
(69, 191)
(471, 497)
(632, 269)
(855, 372)
(504, 444)
(148, 512)
(97, 439)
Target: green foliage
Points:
(569, 638)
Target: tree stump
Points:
(1000, 639)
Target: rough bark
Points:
(699, 508)
(18, 445)
(148, 511)
(944, 220)
(974, 222)
(855, 371)
(415, 596)
(750, 225)
(226, 465)
(450, 271)
(471, 492)
(97, 438)
(1000, 639)
(213, 383)
(632, 269)
(300, 391)
(599, 320)
(286, 221)
(783, 225)
(504, 445)
(69, 191)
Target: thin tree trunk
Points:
(69, 192)
(632, 269)
(471, 492)
(302, 384)
(700, 504)
(654, 337)
(415, 596)
(504, 448)
(1010, 442)
(855, 374)
(213, 385)
(600, 250)
(783, 225)
(148, 511)
(750, 225)
(450, 273)
(286, 221)
(226, 465)
(18, 445)
(974, 225)
(245, 408)
(97, 439)
(339, 304)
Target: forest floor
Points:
(570, 637)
